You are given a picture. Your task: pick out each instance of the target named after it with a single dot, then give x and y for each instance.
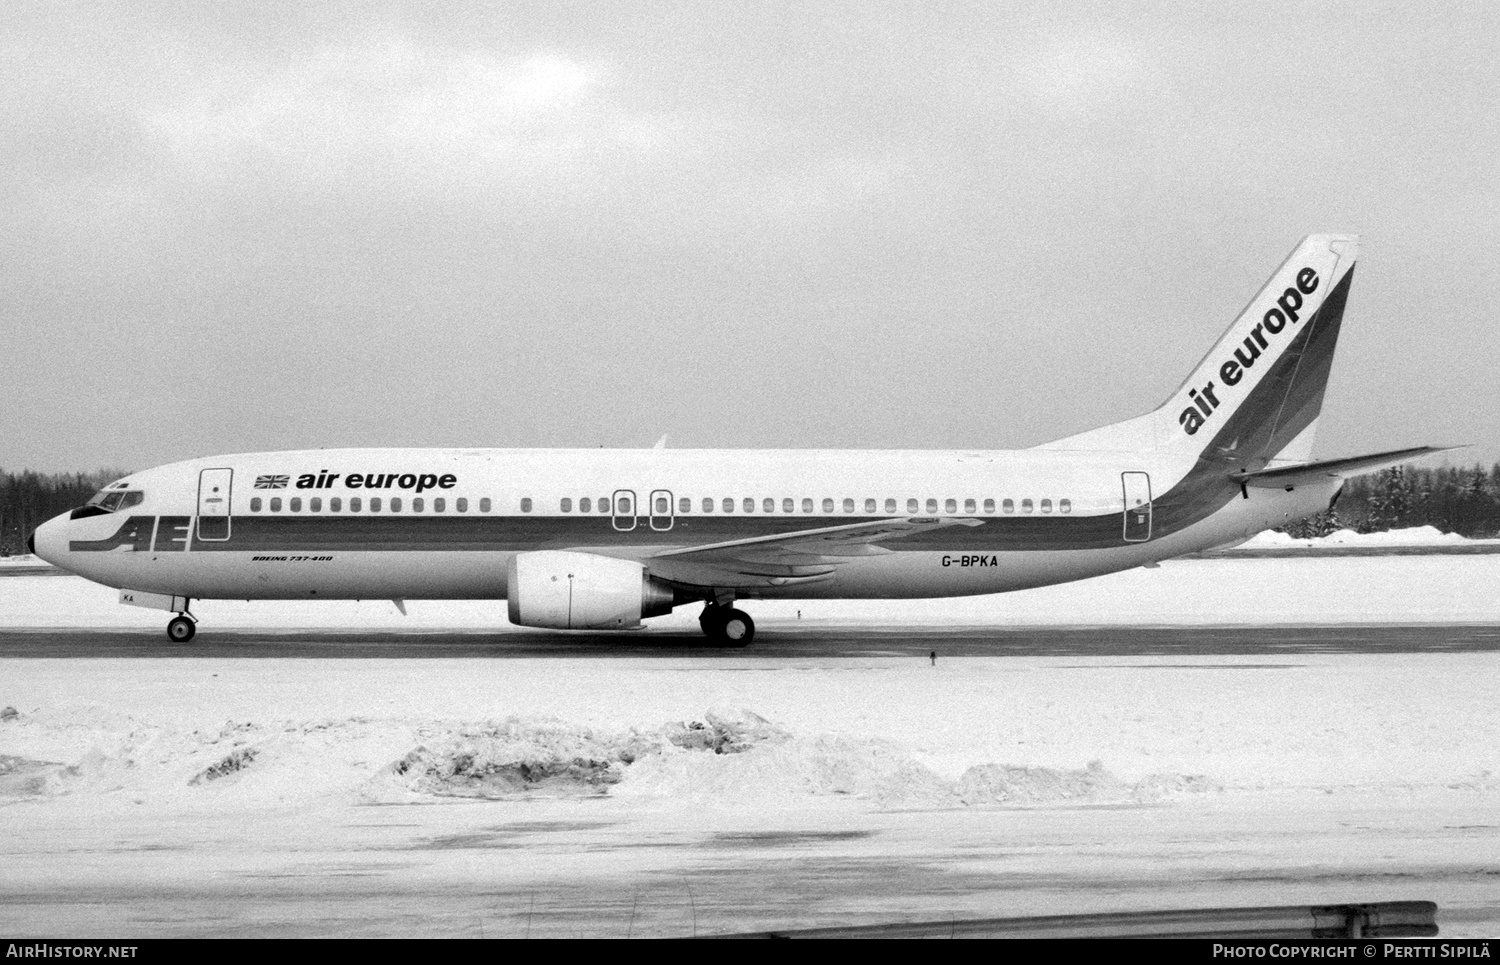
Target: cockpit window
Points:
(110, 500)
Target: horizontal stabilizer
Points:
(1283, 476)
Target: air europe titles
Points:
(1205, 401)
(323, 479)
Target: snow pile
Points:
(1414, 536)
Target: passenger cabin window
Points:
(749, 505)
(374, 504)
(768, 505)
(1025, 505)
(315, 504)
(335, 504)
(484, 504)
(255, 504)
(463, 504)
(565, 504)
(989, 505)
(870, 506)
(848, 505)
(604, 505)
(1046, 505)
(728, 504)
(911, 506)
(416, 505)
(807, 505)
(296, 504)
(890, 505)
(827, 505)
(1065, 505)
(968, 505)
(708, 504)
(526, 504)
(950, 505)
(395, 504)
(585, 505)
(663, 506)
(932, 505)
(438, 505)
(685, 505)
(275, 504)
(354, 504)
(1009, 505)
(786, 505)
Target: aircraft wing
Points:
(803, 556)
(1281, 477)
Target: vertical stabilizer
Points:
(1255, 397)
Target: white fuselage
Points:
(443, 523)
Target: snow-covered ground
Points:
(665, 796)
(1416, 536)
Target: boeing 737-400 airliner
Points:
(600, 539)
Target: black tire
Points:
(181, 630)
(711, 620)
(736, 629)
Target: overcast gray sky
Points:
(242, 226)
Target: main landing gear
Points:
(182, 628)
(727, 627)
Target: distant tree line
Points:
(28, 499)
(1454, 499)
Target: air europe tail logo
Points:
(1276, 320)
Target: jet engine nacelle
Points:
(581, 591)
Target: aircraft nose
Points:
(49, 541)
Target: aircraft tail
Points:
(1254, 399)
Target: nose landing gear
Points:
(727, 627)
(182, 627)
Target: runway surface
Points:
(782, 641)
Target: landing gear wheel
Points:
(181, 630)
(712, 621)
(736, 629)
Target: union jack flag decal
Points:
(271, 482)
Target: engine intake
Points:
(581, 591)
